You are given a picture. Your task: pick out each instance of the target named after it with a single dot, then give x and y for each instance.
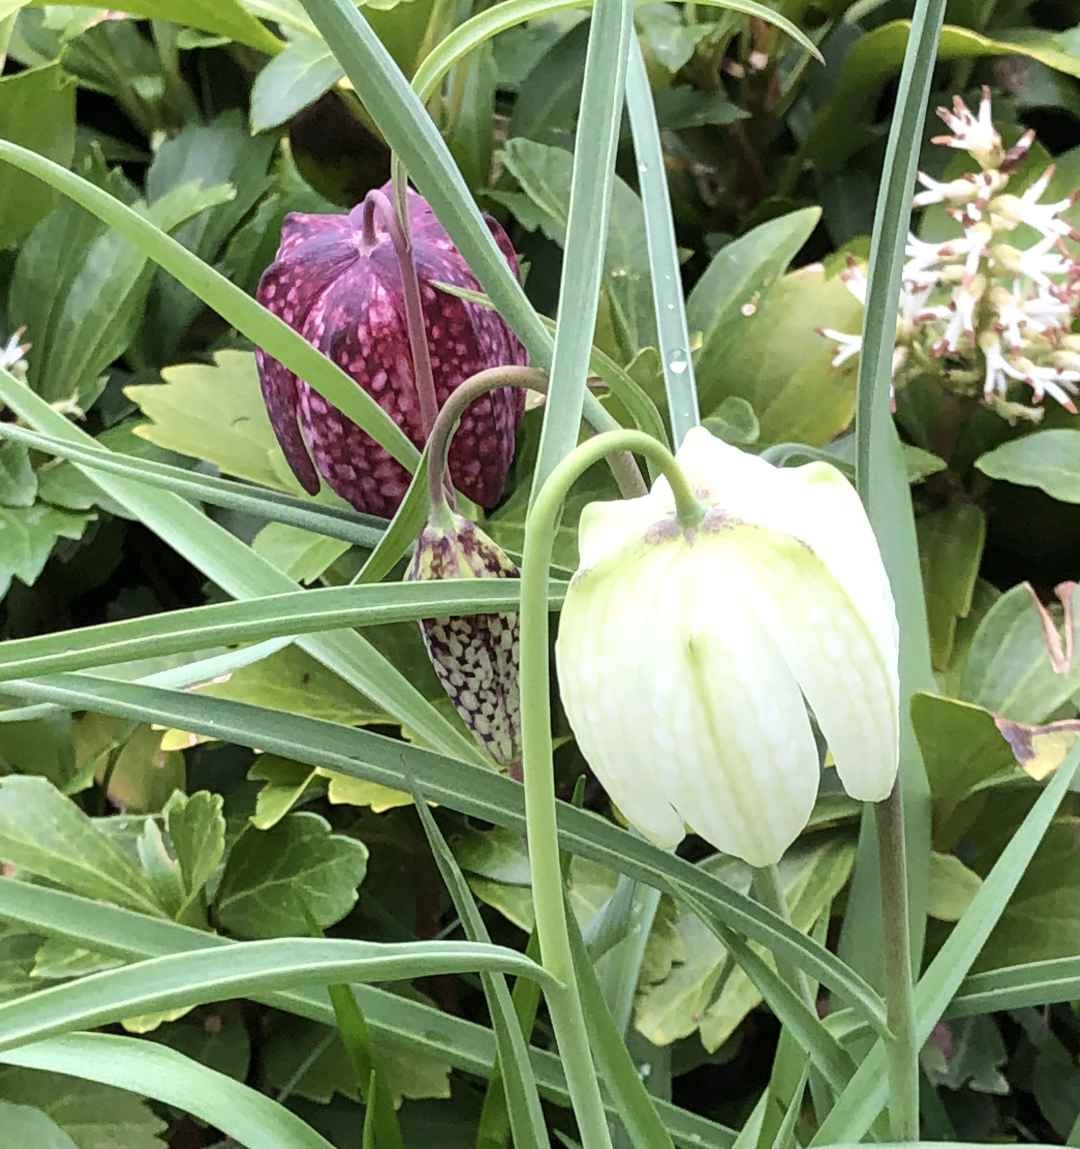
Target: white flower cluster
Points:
(978, 312)
(11, 355)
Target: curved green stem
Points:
(903, 1050)
(625, 470)
(547, 883)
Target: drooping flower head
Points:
(978, 312)
(474, 656)
(337, 281)
(684, 656)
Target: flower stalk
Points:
(903, 1049)
(539, 773)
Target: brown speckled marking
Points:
(349, 305)
(475, 657)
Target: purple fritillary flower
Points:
(349, 303)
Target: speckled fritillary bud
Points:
(347, 299)
(475, 657)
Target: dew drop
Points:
(643, 168)
(671, 307)
(678, 362)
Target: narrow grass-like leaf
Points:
(403, 531)
(222, 624)
(822, 1048)
(637, 1111)
(668, 300)
(858, 1106)
(228, 300)
(240, 572)
(152, 1070)
(592, 179)
(334, 522)
(239, 971)
(881, 478)
(1016, 986)
(476, 791)
(522, 1099)
(413, 1024)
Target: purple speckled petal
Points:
(348, 303)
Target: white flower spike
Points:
(685, 656)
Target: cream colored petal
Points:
(609, 528)
(814, 504)
(683, 705)
(607, 691)
(846, 672)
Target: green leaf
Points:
(29, 534)
(778, 362)
(952, 886)
(302, 555)
(291, 81)
(687, 107)
(1049, 460)
(25, 1125)
(472, 789)
(37, 110)
(961, 746)
(269, 873)
(544, 174)
(45, 834)
(224, 17)
(93, 1116)
(83, 320)
(1042, 919)
(292, 1041)
(950, 549)
(738, 277)
(876, 56)
(162, 870)
(18, 482)
(671, 39)
(196, 829)
(286, 782)
(216, 413)
(1009, 667)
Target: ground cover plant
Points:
(538, 574)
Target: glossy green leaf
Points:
(950, 548)
(37, 110)
(225, 17)
(272, 876)
(1009, 666)
(1049, 460)
(47, 835)
(738, 277)
(293, 79)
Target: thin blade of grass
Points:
(333, 522)
(243, 574)
(473, 790)
(591, 181)
(181, 980)
(881, 479)
(637, 1110)
(858, 1106)
(154, 1070)
(669, 305)
(393, 1018)
(515, 1072)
